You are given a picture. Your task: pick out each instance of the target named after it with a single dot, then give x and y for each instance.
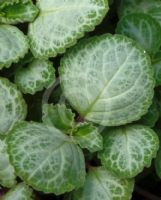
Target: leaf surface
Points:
(101, 184)
(88, 136)
(108, 79)
(14, 45)
(142, 28)
(60, 23)
(19, 12)
(58, 116)
(45, 158)
(7, 172)
(12, 106)
(127, 150)
(19, 192)
(37, 75)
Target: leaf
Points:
(151, 116)
(45, 158)
(19, 192)
(12, 106)
(158, 157)
(4, 3)
(60, 23)
(14, 45)
(18, 13)
(108, 79)
(7, 172)
(102, 185)
(149, 7)
(127, 150)
(58, 116)
(157, 73)
(142, 28)
(87, 136)
(37, 75)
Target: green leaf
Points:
(19, 192)
(60, 23)
(37, 75)
(102, 185)
(158, 159)
(4, 3)
(58, 116)
(149, 7)
(108, 79)
(19, 13)
(12, 106)
(88, 136)
(142, 28)
(157, 73)
(14, 45)
(45, 158)
(7, 172)
(151, 116)
(127, 150)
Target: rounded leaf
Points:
(60, 23)
(14, 45)
(127, 150)
(12, 107)
(37, 75)
(100, 184)
(45, 158)
(19, 192)
(108, 79)
(142, 28)
(149, 7)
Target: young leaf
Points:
(87, 136)
(7, 172)
(18, 13)
(108, 79)
(151, 116)
(45, 158)
(102, 185)
(14, 45)
(142, 28)
(58, 116)
(127, 150)
(60, 23)
(19, 192)
(149, 7)
(37, 75)
(12, 106)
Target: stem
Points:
(146, 194)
